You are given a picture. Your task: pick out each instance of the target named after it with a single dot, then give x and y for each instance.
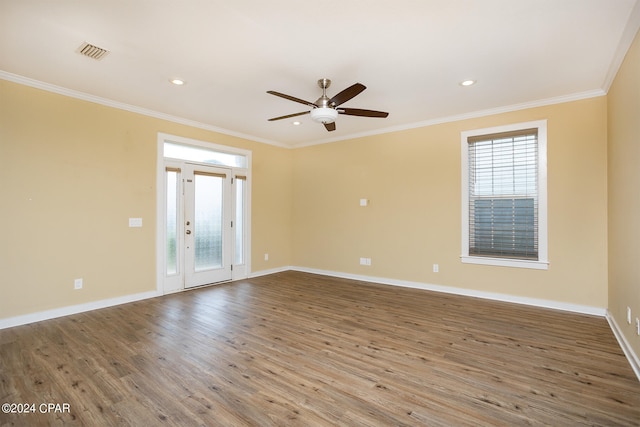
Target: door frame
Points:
(169, 284)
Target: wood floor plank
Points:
(297, 349)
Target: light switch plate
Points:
(135, 222)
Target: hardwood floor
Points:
(300, 349)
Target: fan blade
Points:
(347, 94)
(288, 116)
(362, 113)
(292, 98)
(330, 126)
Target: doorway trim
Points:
(161, 164)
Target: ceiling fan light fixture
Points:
(325, 110)
(324, 115)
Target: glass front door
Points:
(207, 225)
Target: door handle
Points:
(188, 231)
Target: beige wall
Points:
(72, 174)
(624, 194)
(74, 171)
(412, 179)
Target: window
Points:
(172, 176)
(204, 155)
(504, 196)
(239, 225)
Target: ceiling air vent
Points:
(92, 51)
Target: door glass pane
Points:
(207, 227)
(172, 223)
(239, 221)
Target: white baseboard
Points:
(574, 308)
(95, 305)
(73, 309)
(632, 357)
(267, 272)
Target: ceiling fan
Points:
(325, 110)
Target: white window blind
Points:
(503, 195)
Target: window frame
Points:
(542, 263)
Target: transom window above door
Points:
(204, 155)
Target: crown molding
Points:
(626, 39)
(15, 78)
(465, 116)
(150, 113)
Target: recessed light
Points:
(296, 123)
(467, 83)
(177, 82)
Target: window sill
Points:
(503, 262)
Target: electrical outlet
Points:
(365, 261)
(436, 268)
(629, 315)
(77, 284)
(266, 257)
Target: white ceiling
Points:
(411, 55)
